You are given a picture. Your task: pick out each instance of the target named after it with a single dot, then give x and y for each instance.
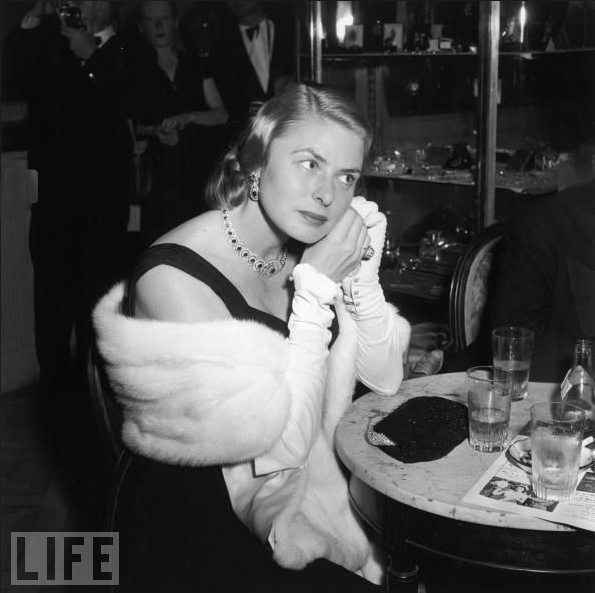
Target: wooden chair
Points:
(105, 408)
(471, 287)
(109, 420)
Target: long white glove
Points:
(309, 337)
(383, 336)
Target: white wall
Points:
(18, 191)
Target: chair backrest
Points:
(471, 287)
(105, 407)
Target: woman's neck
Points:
(167, 58)
(166, 54)
(256, 232)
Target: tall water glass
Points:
(556, 442)
(488, 402)
(512, 349)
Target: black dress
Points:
(178, 530)
(181, 171)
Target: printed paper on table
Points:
(506, 487)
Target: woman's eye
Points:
(310, 165)
(347, 179)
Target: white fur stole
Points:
(214, 393)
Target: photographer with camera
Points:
(85, 33)
(69, 60)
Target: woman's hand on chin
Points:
(340, 252)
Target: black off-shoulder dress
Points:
(178, 530)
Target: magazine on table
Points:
(506, 486)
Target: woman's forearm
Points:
(305, 374)
(383, 336)
(212, 117)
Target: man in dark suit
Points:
(252, 60)
(70, 61)
(546, 277)
(79, 145)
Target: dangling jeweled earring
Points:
(254, 191)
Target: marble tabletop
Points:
(436, 486)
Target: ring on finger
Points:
(368, 253)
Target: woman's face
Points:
(310, 178)
(157, 23)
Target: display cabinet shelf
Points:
(514, 90)
(532, 183)
(351, 55)
(422, 285)
(394, 55)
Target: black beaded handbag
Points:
(421, 429)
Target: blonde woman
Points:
(234, 350)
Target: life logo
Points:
(64, 558)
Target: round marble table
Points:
(419, 504)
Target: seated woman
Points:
(235, 348)
(176, 106)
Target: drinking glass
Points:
(556, 442)
(488, 401)
(512, 348)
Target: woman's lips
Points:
(313, 218)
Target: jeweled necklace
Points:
(264, 268)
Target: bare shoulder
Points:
(167, 293)
(170, 294)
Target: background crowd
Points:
(178, 85)
(104, 81)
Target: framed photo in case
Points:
(392, 38)
(354, 36)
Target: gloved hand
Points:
(362, 292)
(383, 336)
(375, 222)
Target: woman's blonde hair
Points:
(228, 185)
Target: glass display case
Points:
(476, 107)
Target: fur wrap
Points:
(215, 393)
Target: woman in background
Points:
(234, 350)
(176, 106)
